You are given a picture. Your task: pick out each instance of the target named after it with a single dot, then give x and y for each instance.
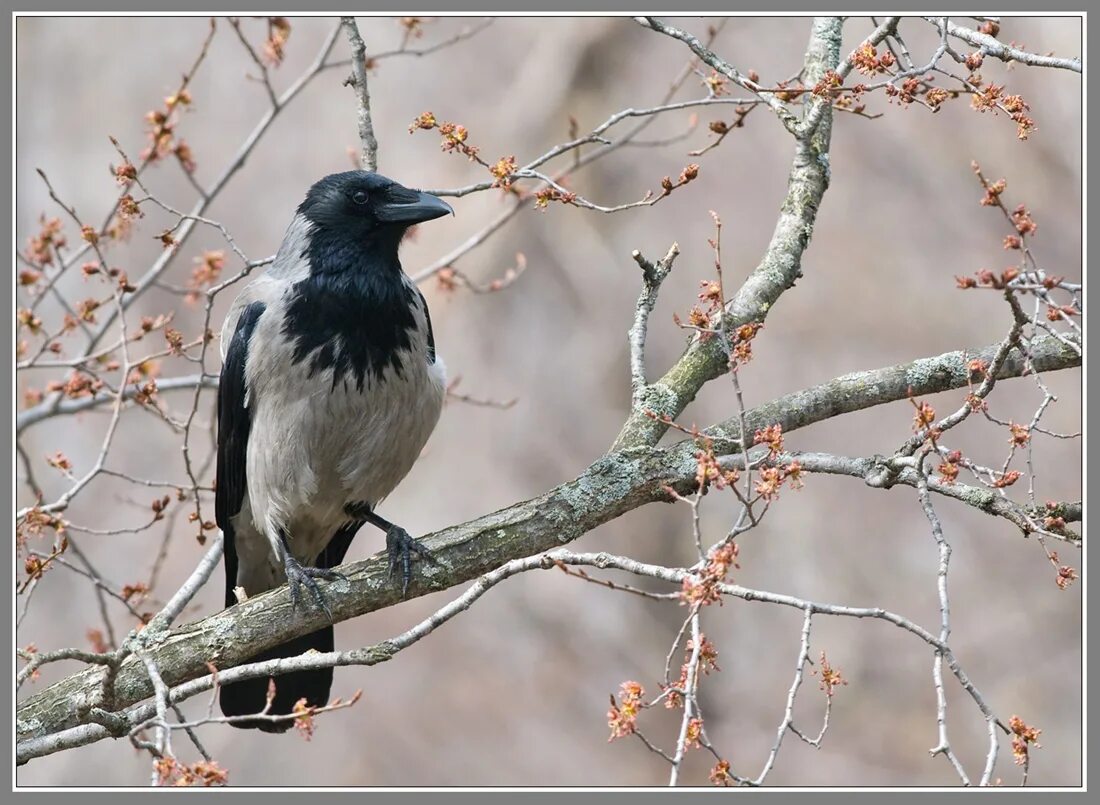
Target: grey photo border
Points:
(275, 796)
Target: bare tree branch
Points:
(358, 81)
(994, 47)
(653, 274)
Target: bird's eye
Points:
(359, 197)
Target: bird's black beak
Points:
(418, 208)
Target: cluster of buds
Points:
(993, 190)
(303, 722)
(159, 505)
(454, 136)
(447, 278)
(991, 97)
(86, 309)
(146, 393)
(278, 32)
(787, 93)
(924, 420)
(988, 97)
(150, 323)
(721, 774)
(414, 26)
(125, 173)
(976, 368)
(60, 462)
(1020, 435)
(702, 589)
(693, 734)
(160, 134)
(1023, 221)
(829, 82)
(772, 436)
(867, 60)
(27, 318)
(849, 102)
(708, 661)
(715, 84)
(935, 96)
(1024, 738)
(544, 196)
(162, 138)
(97, 641)
(204, 772)
(772, 478)
(742, 343)
(1059, 312)
(77, 385)
(1017, 110)
(454, 139)
(28, 277)
(35, 566)
(984, 278)
(128, 208)
(185, 156)
(35, 522)
(906, 93)
(207, 271)
(1007, 479)
(174, 339)
(41, 247)
(205, 525)
(949, 468)
(687, 175)
(1066, 576)
(708, 472)
(722, 128)
(710, 295)
(502, 171)
(622, 716)
(830, 676)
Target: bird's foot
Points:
(400, 547)
(298, 575)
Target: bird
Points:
(329, 389)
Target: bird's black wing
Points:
(234, 424)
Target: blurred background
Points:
(514, 692)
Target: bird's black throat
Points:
(353, 313)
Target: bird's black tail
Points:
(249, 696)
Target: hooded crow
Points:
(330, 387)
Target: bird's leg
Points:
(399, 545)
(298, 575)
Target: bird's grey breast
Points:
(344, 395)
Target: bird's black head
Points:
(368, 208)
(354, 312)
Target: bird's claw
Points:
(298, 575)
(400, 547)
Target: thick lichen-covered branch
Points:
(612, 486)
(777, 271)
